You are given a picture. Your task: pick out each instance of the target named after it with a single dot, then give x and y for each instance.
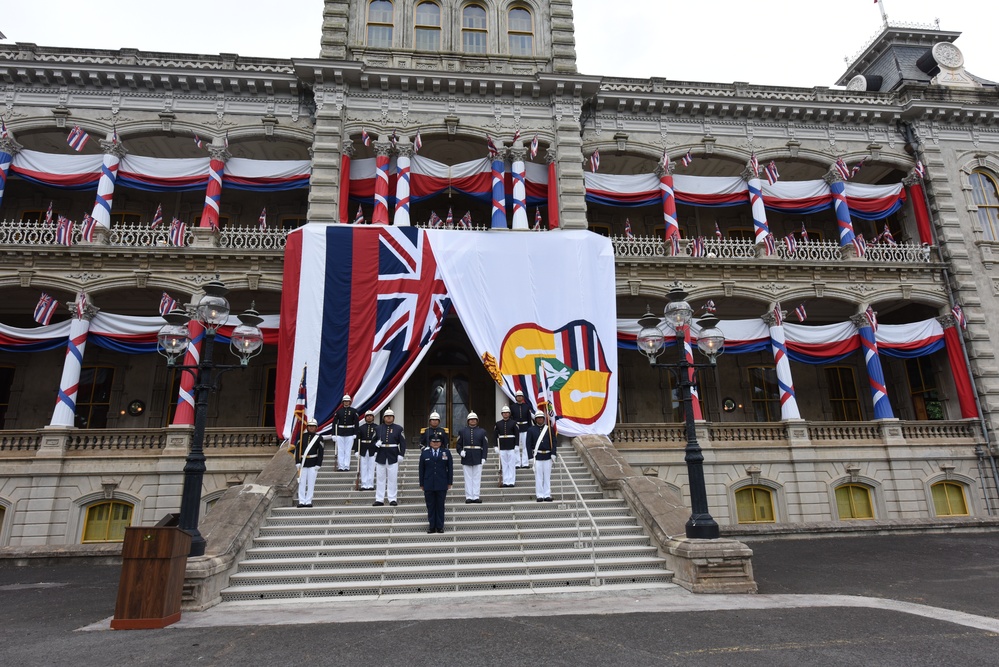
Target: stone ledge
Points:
(52, 554)
(781, 531)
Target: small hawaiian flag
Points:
(45, 309)
(860, 245)
(956, 311)
(81, 305)
(64, 231)
(3, 131)
(718, 233)
(887, 237)
(167, 303)
(198, 142)
(804, 233)
(491, 145)
(771, 171)
(417, 142)
(48, 215)
(178, 232)
(534, 146)
(856, 168)
(537, 218)
(449, 220)
(697, 247)
(225, 139)
(754, 165)
(262, 220)
(595, 161)
(89, 224)
(435, 221)
(842, 169)
(359, 218)
(466, 221)
(920, 170)
(675, 245)
(790, 244)
(157, 217)
(114, 135)
(872, 317)
(77, 138)
(394, 137)
(627, 229)
(365, 138)
(516, 137)
(664, 161)
(800, 312)
(770, 244)
(709, 306)
(686, 159)
(778, 315)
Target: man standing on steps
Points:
(541, 448)
(367, 434)
(432, 430)
(523, 415)
(472, 446)
(436, 478)
(391, 445)
(507, 436)
(345, 428)
(308, 459)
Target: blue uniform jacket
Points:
(431, 430)
(436, 473)
(345, 421)
(393, 444)
(540, 447)
(475, 443)
(523, 414)
(367, 434)
(507, 433)
(314, 458)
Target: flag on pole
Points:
(887, 237)
(856, 168)
(45, 309)
(664, 162)
(449, 220)
(359, 218)
(956, 311)
(843, 170)
(872, 317)
(697, 248)
(804, 233)
(198, 142)
(754, 165)
(77, 138)
(3, 130)
(516, 137)
(920, 170)
(417, 142)
(860, 245)
(771, 172)
(709, 306)
(262, 220)
(778, 315)
(81, 305)
(114, 134)
(491, 145)
(675, 245)
(394, 137)
(178, 232)
(595, 161)
(537, 218)
(790, 244)
(435, 221)
(365, 138)
(800, 312)
(48, 215)
(686, 159)
(64, 231)
(167, 303)
(89, 224)
(466, 221)
(225, 139)
(770, 244)
(627, 229)
(534, 146)
(718, 232)
(301, 410)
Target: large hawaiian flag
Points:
(363, 304)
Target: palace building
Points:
(846, 236)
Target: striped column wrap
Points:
(105, 190)
(402, 164)
(519, 172)
(5, 161)
(184, 415)
(760, 227)
(842, 209)
(785, 383)
(499, 194)
(695, 397)
(669, 206)
(879, 393)
(553, 214)
(343, 205)
(380, 215)
(213, 195)
(65, 407)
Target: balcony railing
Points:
(136, 441)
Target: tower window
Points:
(428, 26)
(521, 32)
(380, 24)
(474, 34)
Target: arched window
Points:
(754, 504)
(948, 499)
(474, 34)
(428, 26)
(107, 521)
(853, 501)
(380, 24)
(521, 32)
(986, 197)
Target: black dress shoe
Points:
(541, 500)
(377, 504)
(440, 530)
(477, 501)
(468, 500)
(548, 499)
(394, 503)
(431, 530)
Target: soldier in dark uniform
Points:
(309, 452)
(367, 434)
(507, 436)
(432, 430)
(541, 444)
(523, 414)
(436, 478)
(472, 446)
(344, 429)
(391, 444)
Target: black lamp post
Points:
(711, 342)
(174, 338)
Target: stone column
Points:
(669, 202)
(324, 197)
(213, 194)
(761, 229)
(8, 149)
(380, 215)
(404, 155)
(785, 383)
(114, 151)
(184, 415)
(917, 195)
(79, 328)
(875, 375)
(553, 214)
(569, 147)
(498, 162)
(959, 367)
(519, 171)
(842, 209)
(344, 204)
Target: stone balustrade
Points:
(153, 441)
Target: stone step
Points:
(554, 523)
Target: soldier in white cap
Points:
(308, 459)
(391, 445)
(507, 436)
(472, 446)
(432, 430)
(367, 435)
(541, 442)
(523, 414)
(344, 430)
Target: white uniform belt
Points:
(471, 448)
(508, 436)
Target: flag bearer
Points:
(436, 478)
(507, 437)
(523, 415)
(472, 446)
(345, 429)
(391, 445)
(308, 459)
(367, 435)
(541, 447)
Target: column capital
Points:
(832, 176)
(382, 148)
(660, 171)
(347, 148)
(219, 153)
(115, 148)
(860, 321)
(748, 175)
(911, 178)
(89, 309)
(769, 319)
(404, 149)
(551, 155)
(947, 321)
(10, 146)
(517, 154)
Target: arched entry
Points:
(450, 381)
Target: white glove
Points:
(462, 453)
(554, 457)
(357, 455)
(497, 450)
(401, 457)
(298, 466)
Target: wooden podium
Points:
(153, 561)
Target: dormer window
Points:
(521, 32)
(428, 26)
(474, 33)
(380, 23)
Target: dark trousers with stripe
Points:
(435, 508)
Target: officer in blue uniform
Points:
(391, 445)
(541, 444)
(523, 414)
(344, 430)
(367, 435)
(472, 446)
(432, 430)
(507, 437)
(436, 478)
(309, 452)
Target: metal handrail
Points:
(595, 529)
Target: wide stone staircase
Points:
(509, 543)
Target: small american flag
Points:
(89, 224)
(178, 232)
(167, 303)
(537, 218)
(804, 233)
(800, 312)
(359, 218)
(956, 311)
(417, 142)
(778, 315)
(771, 171)
(435, 221)
(365, 138)
(627, 229)
(466, 221)
(754, 165)
(770, 244)
(449, 220)
(595, 161)
(48, 215)
(920, 170)
(872, 317)
(262, 220)
(887, 237)
(718, 232)
(844, 171)
(686, 159)
(157, 217)
(790, 244)
(198, 142)
(77, 138)
(675, 245)
(856, 168)
(64, 231)
(534, 146)
(45, 309)
(491, 145)
(860, 245)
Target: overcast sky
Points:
(777, 42)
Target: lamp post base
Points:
(701, 527)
